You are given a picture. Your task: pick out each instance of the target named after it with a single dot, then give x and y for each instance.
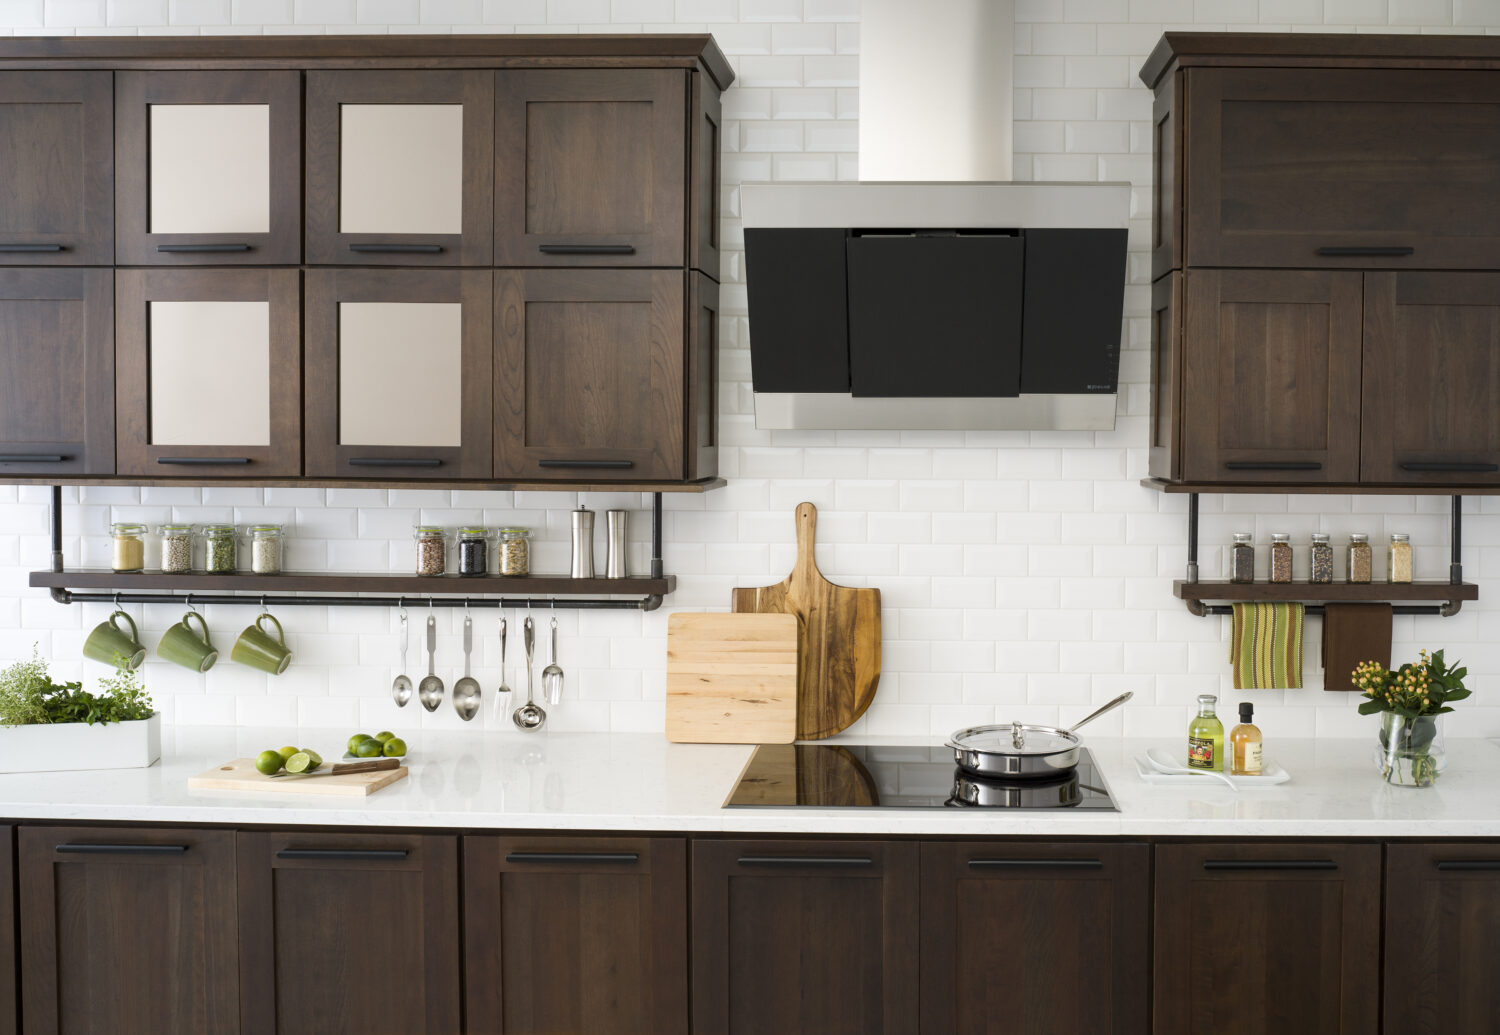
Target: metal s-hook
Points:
(190, 603)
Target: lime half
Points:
(301, 762)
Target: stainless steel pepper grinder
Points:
(583, 543)
(614, 557)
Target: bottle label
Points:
(1201, 752)
(1252, 758)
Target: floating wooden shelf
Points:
(1310, 488)
(1222, 589)
(411, 586)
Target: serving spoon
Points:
(552, 675)
(1169, 766)
(466, 692)
(430, 689)
(401, 687)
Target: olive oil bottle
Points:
(1206, 737)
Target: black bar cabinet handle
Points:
(1273, 465)
(394, 461)
(627, 858)
(1034, 864)
(359, 854)
(1454, 466)
(1270, 864)
(613, 465)
(203, 247)
(421, 249)
(79, 849)
(203, 460)
(587, 249)
(31, 247)
(1367, 249)
(805, 860)
(1471, 865)
(31, 458)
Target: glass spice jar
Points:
(265, 549)
(1399, 557)
(221, 543)
(1360, 557)
(473, 551)
(432, 549)
(1281, 557)
(1322, 558)
(1242, 558)
(129, 552)
(176, 548)
(515, 551)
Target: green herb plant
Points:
(1414, 696)
(28, 697)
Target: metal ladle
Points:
(552, 675)
(430, 689)
(529, 716)
(401, 687)
(466, 692)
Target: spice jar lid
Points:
(175, 530)
(265, 531)
(1242, 537)
(1320, 537)
(1281, 537)
(127, 528)
(473, 533)
(1358, 537)
(514, 533)
(429, 531)
(218, 531)
(1400, 537)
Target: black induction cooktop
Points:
(901, 776)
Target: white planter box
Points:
(52, 747)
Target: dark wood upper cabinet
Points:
(589, 374)
(1013, 932)
(1252, 938)
(805, 936)
(349, 932)
(707, 113)
(575, 934)
(57, 202)
(591, 167)
(1431, 378)
(1271, 367)
(128, 929)
(209, 376)
(402, 361)
(208, 167)
(400, 167)
(1442, 938)
(57, 372)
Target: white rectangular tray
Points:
(1271, 774)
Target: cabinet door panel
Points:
(707, 143)
(57, 362)
(1251, 938)
(570, 934)
(1431, 379)
(590, 167)
(209, 167)
(349, 932)
(1271, 368)
(57, 203)
(589, 374)
(128, 930)
(1165, 454)
(404, 356)
(1011, 932)
(400, 168)
(703, 377)
(804, 936)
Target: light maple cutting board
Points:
(241, 775)
(839, 658)
(731, 679)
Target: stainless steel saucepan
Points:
(1021, 750)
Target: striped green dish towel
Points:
(1265, 646)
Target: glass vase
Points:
(1411, 751)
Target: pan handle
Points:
(1111, 706)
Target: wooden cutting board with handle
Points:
(731, 679)
(839, 657)
(241, 775)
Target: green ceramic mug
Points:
(258, 649)
(181, 646)
(110, 643)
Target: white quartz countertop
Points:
(640, 782)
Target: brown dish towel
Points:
(1353, 633)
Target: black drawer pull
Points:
(1367, 249)
(31, 247)
(573, 857)
(203, 460)
(394, 461)
(1273, 465)
(1036, 864)
(1454, 466)
(78, 849)
(203, 247)
(1471, 865)
(805, 860)
(1270, 864)
(355, 854)
(587, 249)
(31, 458)
(398, 249)
(613, 465)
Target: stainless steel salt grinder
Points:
(583, 543)
(614, 565)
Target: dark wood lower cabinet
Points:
(1256, 938)
(128, 930)
(1442, 939)
(586, 936)
(9, 956)
(805, 936)
(349, 933)
(1024, 938)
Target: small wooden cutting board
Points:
(731, 679)
(241, 775)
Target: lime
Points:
(395, 747)
(355, 740)
(317, 759)
(287, 752)
(385, 735)
(268, 763)
(367, 749)
(298, 763)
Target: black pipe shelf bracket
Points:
(107, 587)
(1453, 592)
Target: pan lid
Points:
(1014, 738)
